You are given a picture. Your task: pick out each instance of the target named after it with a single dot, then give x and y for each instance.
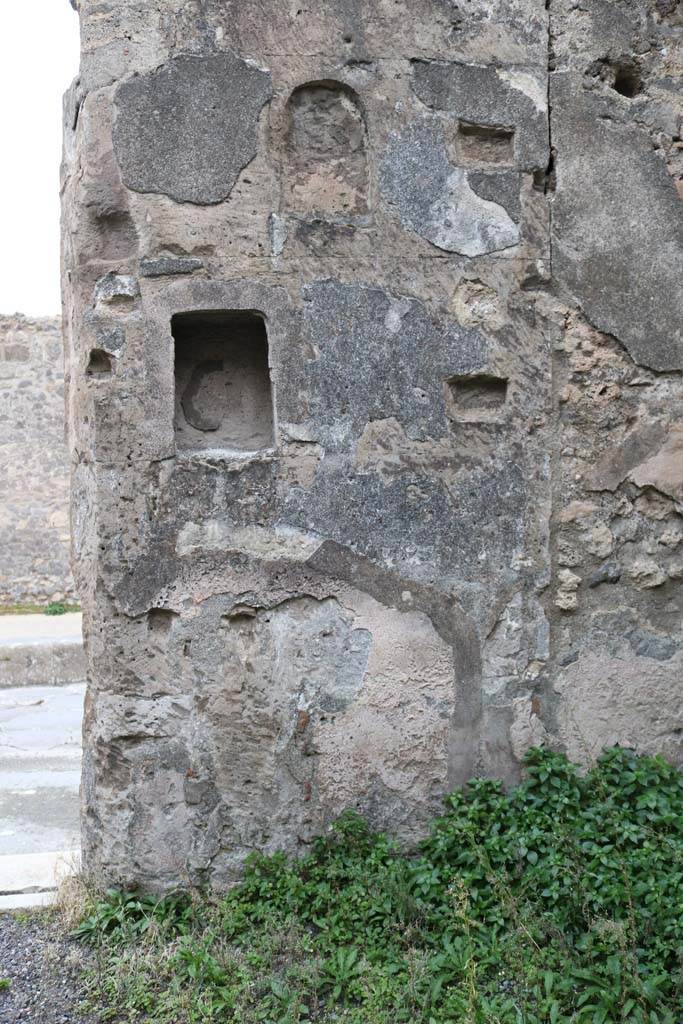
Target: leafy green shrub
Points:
(560, 901)
(129, 916)
(56, 608)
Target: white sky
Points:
(38, 60)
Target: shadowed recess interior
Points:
(223, 397)
(474, 397)
(484, 144)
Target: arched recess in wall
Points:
(326, 166)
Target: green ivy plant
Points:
(559, 902)
(56, 608)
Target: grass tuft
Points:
(26, 608)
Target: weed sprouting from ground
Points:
(60, 608)
(561, 901)
(28, 608)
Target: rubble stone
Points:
(34, 474)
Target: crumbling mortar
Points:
(669, 372)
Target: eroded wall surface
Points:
(374, 353)
(34, 463)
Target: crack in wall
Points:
(551, 168)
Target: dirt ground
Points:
(43, 967)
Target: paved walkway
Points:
(39, 629)
(40, 762)
(38, 650)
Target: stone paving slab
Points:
(24, 629)
(27, 900)
(33, 873)
(41, 649)
(40, 756)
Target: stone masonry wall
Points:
(374, 364)
(34, 463)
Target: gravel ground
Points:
(43, 966)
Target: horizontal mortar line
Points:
(360, 58)
(294, 262)
(360, 259)
(404, 59)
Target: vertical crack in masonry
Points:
(551, 166)
(553, 439)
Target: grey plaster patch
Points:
(108, 336)
(309, 647)
(381, 355)
(168, 266)
(434, 198)
(115, 289)
(187, 129)
(501, 187)
(480, 95)
(618, 228)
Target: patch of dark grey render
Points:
(188, 128)
(627, 278)
(433, 197)
(380, 356)
(502, 187)
(115, 289)
(110, 337)
(478, 97)
(414, 173)
(168, 266)
(479, 518)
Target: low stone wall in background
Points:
(34, 467)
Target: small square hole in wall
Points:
(474, 398)
(484, 145)
(99, 363)
(223, 394)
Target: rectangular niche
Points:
(474, 398)
(223, 394)
(485, 145)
